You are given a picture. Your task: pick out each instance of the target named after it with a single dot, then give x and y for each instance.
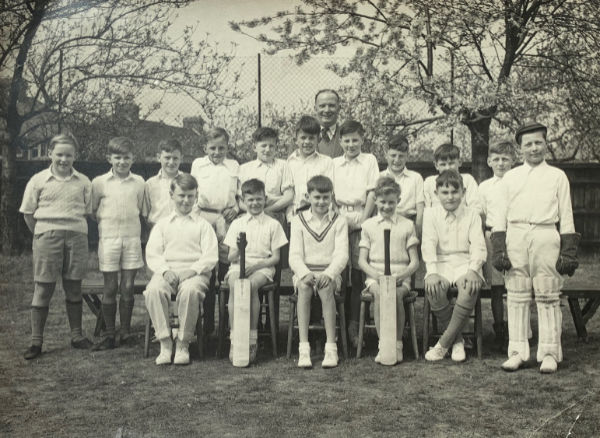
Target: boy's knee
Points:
(72, 290)
(401, 292)
(465, 299)
(191, 291)
(304, 291)
(42, 293)
(437, 300)
(327, 293)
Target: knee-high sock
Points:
(443, 316)
(74, 313)
(109, 314)
(460, 317)
(518, 301)
(38, 321)
(547, 293)
(125, 311)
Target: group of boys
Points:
(337, 209)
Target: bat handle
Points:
(242, 248)
(386, 248)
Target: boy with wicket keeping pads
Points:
(404, 258)
(318, 255)
(117, 205)
(454, 251)
(55, 205)
(533, 198)
(181, 251)
(265, 237)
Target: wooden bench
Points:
(581, 316)
(91, 289)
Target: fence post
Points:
(259, 95)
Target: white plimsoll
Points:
(182, 353)
(512, 363)
(331, 357)
(458, 352)
(304, 355)
(549, 365)
(436, 353)
(166, 351)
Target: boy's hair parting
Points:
(320, 183)
(253, 186)
(327, 90)
(170, 145)
(63, 138)
(446, 151)
(504, 146)
(120, 145)
(264, 133)
(309, 125)
(449, 178)
(350, 127)
(214, 133)
(398, 142)
(387, 186)
(184, 181)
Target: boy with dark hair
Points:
(318, 255)
(265, 237)
(55, 205)
(182, 250)
(117, 204)
(454, 251)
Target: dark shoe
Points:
(127, 340)
(107, 343)
(82, 344)
(33, 352)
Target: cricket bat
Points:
(241, 311)
(387, 308)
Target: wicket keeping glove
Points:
(567, 259)
(500, 259)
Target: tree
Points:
(468, 62)
(74, 59)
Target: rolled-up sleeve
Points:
(429, 243)
(477, 248)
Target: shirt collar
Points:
(48, 174)
(110, 174)
(296, 156)
(160, 174)
(260, 218)
(260, 163)
(331, 131)
(529, 167)
(392, 174)
(175, 214)
(359, 158)
(308, 215)
(457, 213)
(393, 219)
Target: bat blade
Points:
(241, 324)
(387, 318)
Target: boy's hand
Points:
(229, 214)
(309, 279)
(171, 278)
(251, 270)
(471, 282)
(436, 284)
(184, 275)
(323, 281)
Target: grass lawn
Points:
(120, 394)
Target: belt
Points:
(210, 210)
(533, 224)
(488, 228)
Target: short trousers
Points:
(59, 253)
(370, 281)
(116, 253)
(453, 268)
(337, 280)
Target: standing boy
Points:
(318, 255)
(453, 251)
(158, 199)
(500, 159)
(182, 250)
(272, 171)
(355, 176)
(265, 237)
(55, 205)
(217, 178)
(404, 257)
(533, 200)
(117, 204)
(447, 157)
(411, 202)
(305, 162)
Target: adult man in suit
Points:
(327, 109)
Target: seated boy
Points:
(117, 204)
(404, 258)
(182, 250)
(447, 157)
(217, 178)
(354, 177)
(318, 255)
(411, 183)
(454, 251)
(500, 159)
(55, 205)
(305, 162)
(272, 171)
(158, 199)
(265, 237)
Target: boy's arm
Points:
(266, 263)
(363, 264)
(30, 221)
(419, 219)
(155, 251)
(565, 208)
(231, 241)
(95, 198)
(296, 257)
(209, 250)
(339, 258)
(429, 242)
(148, 201)
(369, 206)
(427, 193)
(477, 248)
(283, 202)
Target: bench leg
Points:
(147, 336)
(290, 329)
(425, 339)
(413, 329)
(361, 329)
(223, 323)
(590, 309)
(273, 318)
(343, 332)
(578, 318)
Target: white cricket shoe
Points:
(304, 355)
(549, 365)
(513, 363)
(458, 352)
(436, 353)
(182, 354)
(166, 352)
(331, 356)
